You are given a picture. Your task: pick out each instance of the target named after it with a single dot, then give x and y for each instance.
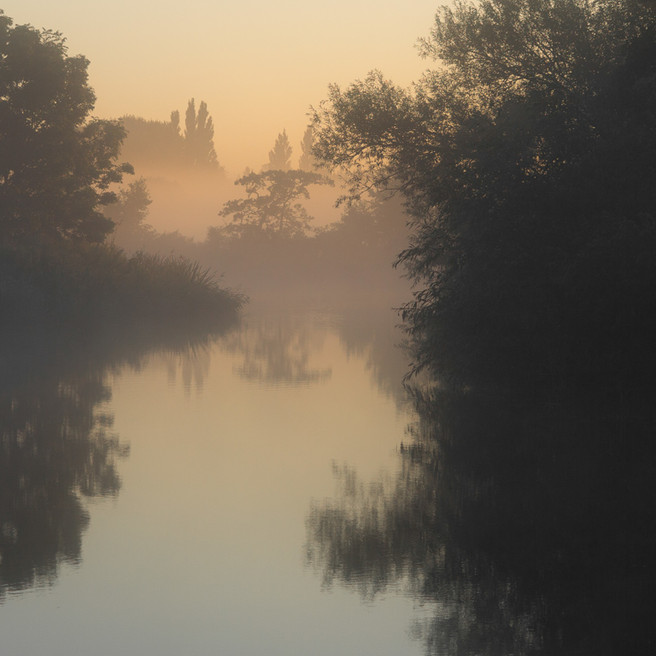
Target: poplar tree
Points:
(307, 161)
(199, 136)
(280, 156)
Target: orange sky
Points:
(258, 64)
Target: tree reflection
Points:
(529, 526)
(57, 446)
(373, 333)
(192, 366)
(278, 352)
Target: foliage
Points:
(374, 223)
(307, 161)
(56, 169)
(280, 156)
(347, 262)
(153, 144)
(132, 233)
(101, 286)
(506, 510)
(271, 206)
(199, 136)
(156, 145)
(526, 161)
(129, 214)
(56, 164)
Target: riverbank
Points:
(99, 285)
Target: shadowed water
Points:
(526, 522)
(275, 490)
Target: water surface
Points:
(157, 503)
(274, 491)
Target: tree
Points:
(199, 136)
(271, 207)
(153, 145)
(526, 162)
(56, 164)
(307, 160)
(156, 145)
(129, 214)
(281, 154)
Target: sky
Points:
(258, 64)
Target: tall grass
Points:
(102, 284)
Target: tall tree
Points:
(199, 136)
(56, 164)
(280, 156)
(175, 121)
(307, 161)
(526, 160)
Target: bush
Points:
(102, 285)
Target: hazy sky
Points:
(259, 64)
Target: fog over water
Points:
(187, 531)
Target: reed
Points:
(101, 283)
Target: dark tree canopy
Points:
(272, 206)
(526, 160)
(56, 164)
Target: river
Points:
(157, 503)
(273, 490)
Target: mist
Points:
(275, 231)
(303, 298)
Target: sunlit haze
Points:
(312, 346)
(258, 65)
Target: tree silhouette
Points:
(526, 160)
(199, 136)
(271, 207)
(56, 164)
(57, 449)
(526, 522)
(307, 160)
(154, 144)
(129, 215)
(280, 156)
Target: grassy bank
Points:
(102, 286)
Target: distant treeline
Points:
(265, 240)
(270, 247)
(156, 145)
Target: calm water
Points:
(157, 504)
(274, 491)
